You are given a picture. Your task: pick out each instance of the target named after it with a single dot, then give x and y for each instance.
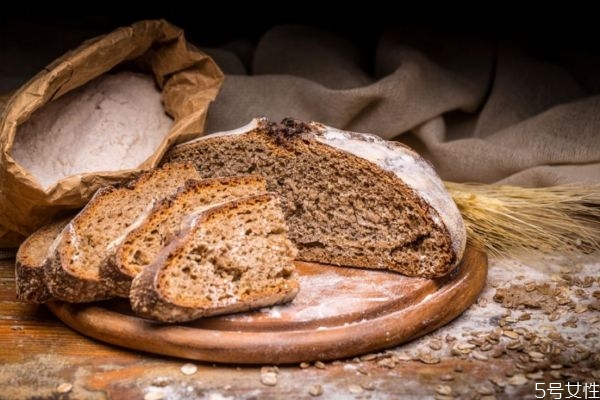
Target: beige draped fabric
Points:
(480, 111)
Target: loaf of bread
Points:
(141, 246)
(32, 256)
(87, 241)
(230, 257)
(349, 199)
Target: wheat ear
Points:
(510, 220)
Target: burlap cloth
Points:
(481, 111)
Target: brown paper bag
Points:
(189, 81)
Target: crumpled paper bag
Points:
(189, 81)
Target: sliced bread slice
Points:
(141, 245)
(231, 257)
(32, 256)
(74, 273)
(349, 198)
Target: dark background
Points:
(32, 36)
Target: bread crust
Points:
(29, 268)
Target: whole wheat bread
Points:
(141, 245)
(349, 198)
(32, 256)
(231, 257)
(85, 243)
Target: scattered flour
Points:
(114, 122)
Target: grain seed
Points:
(535, 354)
(444, 390)
(510, 334)
(581, 308)
(304, 365)
(435, 344)
(428, 359)
(315, 390)
(319, 365)
(268, 379)
(517, 380)
(485, 390)
(155, 395)
(535, 375)
(189, 369)
(64, 387)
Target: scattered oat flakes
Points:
(403, 357)
(315, 390)
(525, 317)
(535, 375)
(485, 390)
(387, 363)
(444, 390)
(581, 308)
(319, 365)
(479, 356)
(304, 365)
(189, 369)
(535, 354)
(268, 378)
(510, 334)
(155, 395)
(428, 359)
(435, 344)
(64, 387)
(517, 380)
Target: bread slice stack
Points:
(124, 230)
(85, 243)
(216, 228)
(229, 258)
(142, 245)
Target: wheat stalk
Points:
(510, 220)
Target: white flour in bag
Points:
(112, 123)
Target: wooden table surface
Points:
(497, 349)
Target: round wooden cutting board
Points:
(339, 312)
